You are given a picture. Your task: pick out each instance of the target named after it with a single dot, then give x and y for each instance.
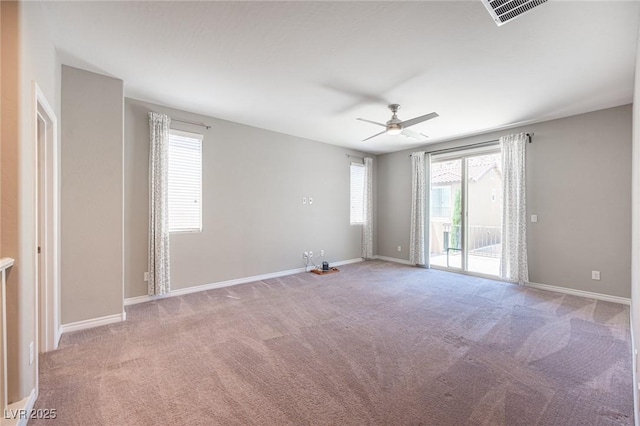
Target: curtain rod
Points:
(354, 156)
(192, 122)
(455, 148)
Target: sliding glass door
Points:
(446, 213)
(466, 211)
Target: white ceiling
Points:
(310, 68)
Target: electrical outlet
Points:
(304, 200)
(31, 354)
(310, 254)
(399, 248)
(305, 255)
(595, 275)
(321, 253)
(534, 218)
(310, 200)
(146, 276)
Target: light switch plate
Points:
(595, 275)
(534, 218)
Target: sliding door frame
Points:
(463, 155)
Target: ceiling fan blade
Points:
(408, 123)
(372, 122)
(371, 137)
(413, 134)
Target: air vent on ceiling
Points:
(503, 11)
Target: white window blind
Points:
(357, 193)
(185, 181)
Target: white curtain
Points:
(514, 266)
(158, 204)
(427, 210)
(420, 189)
(367, 215)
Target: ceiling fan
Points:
(395, 126)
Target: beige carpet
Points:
(377, 343)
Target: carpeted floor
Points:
(377, 343)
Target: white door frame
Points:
(47, 294)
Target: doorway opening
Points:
(47, 224)
(466, 211)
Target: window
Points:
(441, 201)
(357, 193)
(185, 181)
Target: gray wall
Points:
(635, 231)
(91, 196)
(253, 218)
(579, 185)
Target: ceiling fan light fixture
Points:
(394, 130)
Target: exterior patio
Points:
(479, 264)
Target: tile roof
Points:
(448, 172)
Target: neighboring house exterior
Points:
(484, 200)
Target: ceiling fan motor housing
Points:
(394, 126)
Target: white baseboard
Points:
(58, 336)
(394, 259)
(565, 290)
(582, 293)
(142, 299)
(347, 262)
(195, 289)
(12, 413)
(93, 322)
